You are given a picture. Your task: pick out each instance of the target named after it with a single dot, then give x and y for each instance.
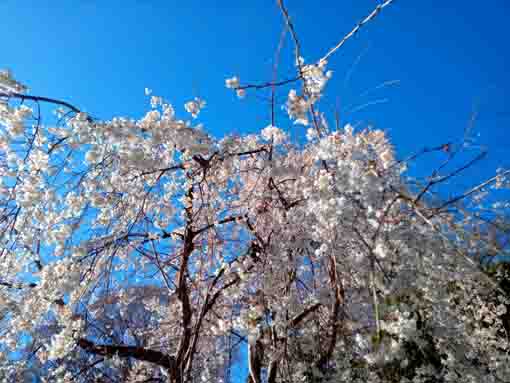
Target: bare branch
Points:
(372, 15)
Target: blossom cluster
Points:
(152, 237)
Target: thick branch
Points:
(138, 353)
(180, 282)
(339, 298)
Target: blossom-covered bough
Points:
(148, 251)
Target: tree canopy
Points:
(147, 250)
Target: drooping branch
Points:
(54, 101)
(300, 317)
(18, 286)
(21, 286)
(139, 353)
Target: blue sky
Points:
(100, 55)
(450, 59)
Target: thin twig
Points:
(269, 84)
(471, 191)
(372, 15)
(290, 25)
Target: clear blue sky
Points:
(100, 55)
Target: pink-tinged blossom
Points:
(194, 107)
(274, 134)
(232, 82)
(297, 107)
(153, 247)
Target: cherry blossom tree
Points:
(146, 250)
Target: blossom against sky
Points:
(418, 74)
(418, 71)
